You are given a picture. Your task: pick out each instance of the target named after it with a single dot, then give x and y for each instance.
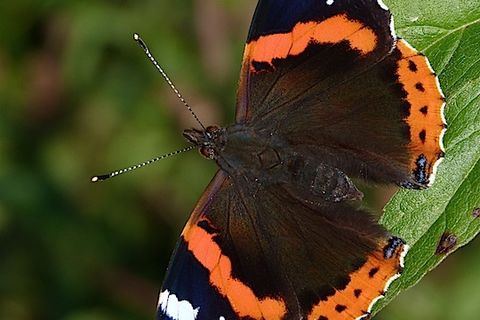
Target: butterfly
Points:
(327, 93)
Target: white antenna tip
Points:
(136, 36)
(94, 179)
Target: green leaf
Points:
(448, 32)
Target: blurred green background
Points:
(77, 98)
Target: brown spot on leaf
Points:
(447, 242)
(476, 212)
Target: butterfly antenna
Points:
(143, 45)
(104, 177)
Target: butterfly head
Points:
(209, 142)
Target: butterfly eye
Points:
(211, 131)
(208, 152)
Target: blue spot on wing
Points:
(189, 280)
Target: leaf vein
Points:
(449, 33)
(462, 109)
(465, 72)
(457, 45)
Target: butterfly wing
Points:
(186, 287)
(331, 77)
(261, 253)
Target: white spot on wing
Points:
(435, 166)
(175, 309)
(389, 282)
(330, 2)
(391, 25)
(442, 113)
(370, 307)
(392, 29)
(162, 299)
(406, 247)
(382, 5)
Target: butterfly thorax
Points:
(261, 158)
(239, 150)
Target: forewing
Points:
(186, 293)
(284, 29)
(331, 77)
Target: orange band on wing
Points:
(426, 101)
(241, 297)
(330, 31)
(366, 285)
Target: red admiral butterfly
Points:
(327, 92)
